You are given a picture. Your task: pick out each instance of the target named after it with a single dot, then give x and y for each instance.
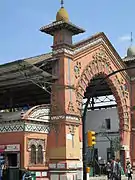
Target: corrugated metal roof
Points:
(31, 60)
(10, 73)
(40, 58)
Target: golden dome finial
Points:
(62, 14)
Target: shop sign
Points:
(69, 136)
(52, 166)
(75, 165)
(61, 166)
(12, 147)
(57, 166)
(72, 166)
(44, 174)
(79, 165)
(38, 174)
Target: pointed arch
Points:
(102, 65)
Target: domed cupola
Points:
(62, 15)
(131, 51)
(62, 30)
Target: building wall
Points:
(95, 120)
(10, 138)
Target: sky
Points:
(20, 22)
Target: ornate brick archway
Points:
(102, 64)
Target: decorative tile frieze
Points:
(63, 50)
(22, 126)
(78, 49)
(74, 118)
(29, 127)
(87, 45)
(58, 117)
(15, 127)
(67, 117)
(33, 126)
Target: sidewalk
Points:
(105, 178)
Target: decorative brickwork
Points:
(100, 64)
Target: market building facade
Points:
(42, 98)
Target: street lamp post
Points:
(84, 139)
(84, 117)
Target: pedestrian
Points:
(108, 169)
(119, 169)
(129, 170)
(2, 169)
(114, 170)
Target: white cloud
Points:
(125, 38)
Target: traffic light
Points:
(91, 138)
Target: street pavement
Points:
(105, 178)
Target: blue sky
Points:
(20, 22)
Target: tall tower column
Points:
(63, 141)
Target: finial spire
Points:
(62, 3)
(131, 40)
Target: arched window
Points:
(40, 155)
(33, 154)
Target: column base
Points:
(72, 175)
(66, 171)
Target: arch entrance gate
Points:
(77, 64)
(48, 125)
